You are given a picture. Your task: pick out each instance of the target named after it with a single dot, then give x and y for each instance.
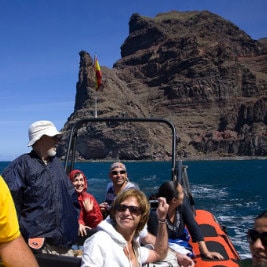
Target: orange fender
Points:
(216, 240)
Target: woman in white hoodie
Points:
(116, 243)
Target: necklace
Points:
(174, 226)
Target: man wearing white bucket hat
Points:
(45, 199)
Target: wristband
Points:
(162, 220)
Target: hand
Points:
(82, 229)
(88, 204)
(184, 261)
(162, 209)
(213, 255)
(104, 206)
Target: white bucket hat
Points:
(40, 128)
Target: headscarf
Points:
(75, 173)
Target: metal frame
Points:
(77, 125)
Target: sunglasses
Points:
(133, 209)
(253, 235)
(118, 172)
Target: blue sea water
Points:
(233, 190)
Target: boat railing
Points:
(182, 178)
(71, 148)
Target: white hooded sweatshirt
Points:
(105, 249)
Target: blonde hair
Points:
(142, 202)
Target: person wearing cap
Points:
(119, 183)
(45, 199)
(90, 214)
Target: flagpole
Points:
(96, 106)
(98, 81)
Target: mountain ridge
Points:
(195, 69)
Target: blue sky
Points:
(41, 41)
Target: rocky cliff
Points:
(195, 69)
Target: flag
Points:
(98, 74)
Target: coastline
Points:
(190, 158)
(210, 158)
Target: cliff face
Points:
(194, 68)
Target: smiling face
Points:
(79, 183)
(130, 211)
(257, 248)
(118, 176)
(127, 215)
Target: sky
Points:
(41, 41)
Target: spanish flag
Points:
(98, 74)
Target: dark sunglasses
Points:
(133, 209)
(118, 172)
(253, 235)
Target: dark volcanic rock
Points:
(194, 68)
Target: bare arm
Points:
(149, 239)
(16, 253)
(161, 244)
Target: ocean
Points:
(233, 190)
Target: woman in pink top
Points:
(90, 214)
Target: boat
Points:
(214, 234)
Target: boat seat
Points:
(208, 230)
(215, 246)
(50, 260)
